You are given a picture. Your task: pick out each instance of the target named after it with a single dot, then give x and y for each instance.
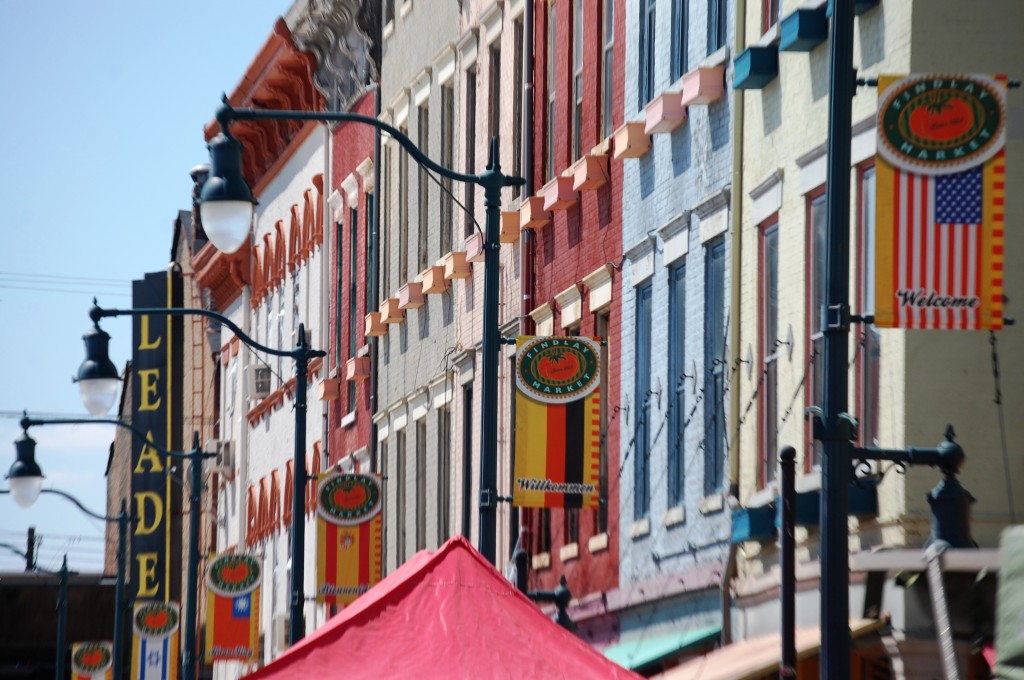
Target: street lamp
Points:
(122, 518)
(226, 208)
(25, 464)
(301, 355)
(97, 376)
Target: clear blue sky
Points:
(102, 115)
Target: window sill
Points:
(389, 28)
(640, 528)
(569, 552)
(719, 57)
(598, 543)
(348, 419)
(541, 561)
(712, 503)
(405, 9)
(674, 516)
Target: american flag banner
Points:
(940, 179)
(348, 536)
(155, 630)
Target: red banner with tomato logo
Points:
(558, 422)
(233, 608)
(348, 536)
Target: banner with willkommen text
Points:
(558, 422)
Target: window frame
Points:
(577, 79)
(680, 29)
(423, 187)
(815, 199)
(607, 83)
(676, 443)
(768, 336)
(643, 324)
(646, 46)
(715, 373)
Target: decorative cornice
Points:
(224, 275)
(339, 35)
(279, 77)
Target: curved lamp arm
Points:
(116, 518)
(27, 422)
(97, 313)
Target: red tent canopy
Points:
(447, 614)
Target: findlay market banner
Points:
(155, 641)
(348, 536)
(940, 179)
(156, 389)
(233, 608)
(558, 422)
(92, 660)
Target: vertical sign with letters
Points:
(155, 410)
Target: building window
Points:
(470, 147)
(816, 297)
(641, 404)
(389, 11)
(371, 210)
(769, 350)
(714, 368)
(353, 315)
(577, 78)
(517, 103)
(549, 122)
(543, 531)
(385, 230)
(423, 140)
(645, 77)
(717, 24)
(467, 460)
(448, 161)
(770, 11)
(280, 321)
(403, 213)
(571, 520)
(607, 66)
(871, 349)
(679, 29)
(602, 328)
(400, 496)
(339, 300)
(421, 484)
(494, 105)
(444, 462)
(677, 384)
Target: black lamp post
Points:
(96, 356)
(62, 602)
(226, 209)
(26, 476)
(122, 519)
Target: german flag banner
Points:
(348, 536)
(92, 660)
(155, 641)
(941, 187)
(558, 422)
(233, 608)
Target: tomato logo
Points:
(348, 499)
(231, 575)
(556, 369)
(91, 658)
(155, 619)
(941, 124)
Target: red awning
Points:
(447, 614)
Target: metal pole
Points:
(787, 560)
(492, 183)
(30, 551)
(192, 589)
(836, 431)
(62, 619)
(122, 534)
(295, 619)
